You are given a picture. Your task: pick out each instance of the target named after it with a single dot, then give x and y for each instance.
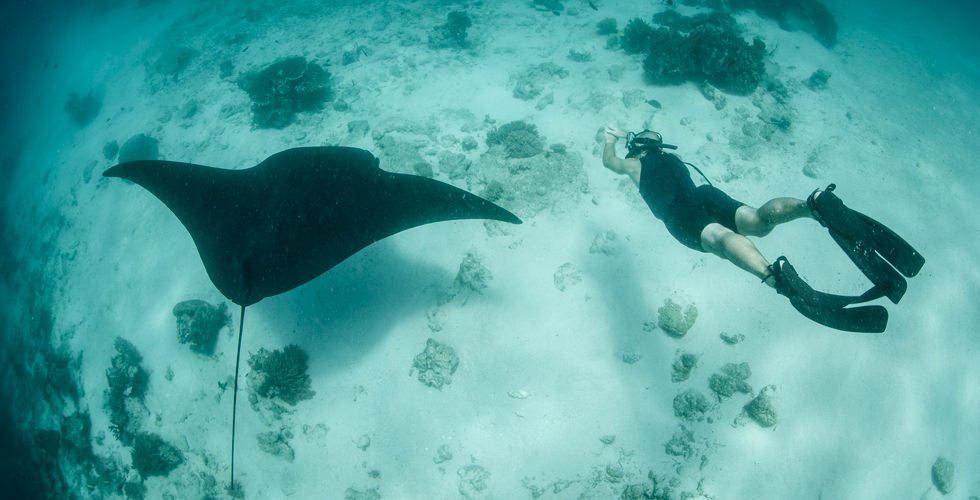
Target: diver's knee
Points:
(749, 222)
(716, 238)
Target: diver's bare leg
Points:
(737, 249)
(761, 221)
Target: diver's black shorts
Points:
(692, 213)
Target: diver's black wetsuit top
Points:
(663, 180)
(685, 209)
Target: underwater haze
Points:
(584, 354)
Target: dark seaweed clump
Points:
(607, 27)
(810, 16)
(174, 60)
(818, 80)
(281, 374)
(83, 109)
(701, 48)
(198, 324)
(285, 88)
(139, 147)
(110, 150)
(451, 35)
(553, 6)
(152, 456)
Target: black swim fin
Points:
(824, 308)
(883, 256)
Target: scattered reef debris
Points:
(519, 171)
(532, 82)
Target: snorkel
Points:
(647, 140)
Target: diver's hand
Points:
(613, 132)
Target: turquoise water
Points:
(471, 360)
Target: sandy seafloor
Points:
(859, 416)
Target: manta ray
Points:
(267, 229)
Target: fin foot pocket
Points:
(881, 254)
(834, 311)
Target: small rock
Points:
(818, 80)
(352, 494)
(615, 473)
(631, 357)
(363, 442)
(676, 319)
(604, 243)
(275, 444)
(443, 455)
(683, 365)
(732, 339)
(473, 275)
(473, 481)
(942, 475)
(681, 444)
(566, 276)
(637, 492)
(732, 379)
(436, 364)
(761, 409)
(691, 405)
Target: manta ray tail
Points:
(234, 399)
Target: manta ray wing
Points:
(265, 230)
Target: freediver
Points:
(706, 219)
